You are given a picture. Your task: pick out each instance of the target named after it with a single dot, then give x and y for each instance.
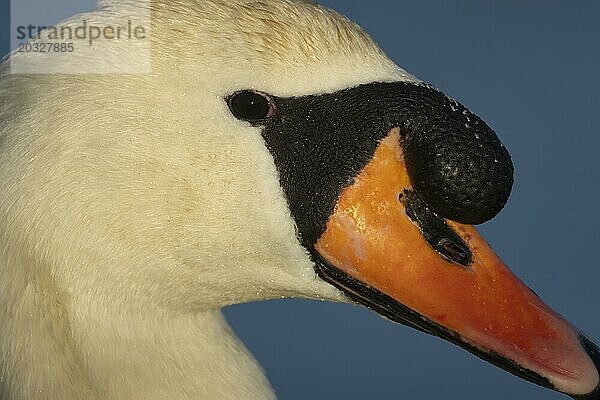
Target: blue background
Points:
(531, 70)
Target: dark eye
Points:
(251, 106)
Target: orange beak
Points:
(376, 251)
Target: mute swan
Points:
(270, 141)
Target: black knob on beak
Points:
(456, 163)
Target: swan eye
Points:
(251, 106)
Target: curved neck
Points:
(57, 344)
(169, 357)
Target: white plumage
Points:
(133, 207)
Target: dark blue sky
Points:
(530, 69)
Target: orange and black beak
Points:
(374, 248)
(384, 182)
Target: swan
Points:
(272, 150)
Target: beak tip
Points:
(593, 352)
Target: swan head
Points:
(275, 151)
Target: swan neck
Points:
(58, 343)
(170, 357)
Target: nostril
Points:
(453, 251)
(436, 232)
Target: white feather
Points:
(134, 207)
